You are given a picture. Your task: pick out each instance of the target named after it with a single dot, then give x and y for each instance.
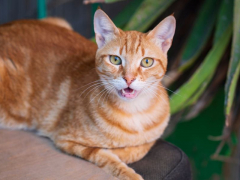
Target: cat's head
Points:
(131, 63)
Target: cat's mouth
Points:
(128, 93)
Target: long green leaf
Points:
(123, 17)
(204, 71)
(234, 67)
(200, 33)
(147, 13)
(198, 93)
(225, 18)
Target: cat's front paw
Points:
(130, 175)
(135, 177)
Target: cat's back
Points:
(38, 50)
(39, 36)
(39, 63)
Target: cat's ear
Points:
(104, 28)
(163, 33)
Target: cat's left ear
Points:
(104, 28)
(163, 33)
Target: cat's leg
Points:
(103, 158)
(10, 123)
(133, 154)
(15, 88)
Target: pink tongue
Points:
(128, 90)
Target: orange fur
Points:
(58, 21)
(48, 82)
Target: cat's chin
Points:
(128, 93)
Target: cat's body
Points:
(48, 82)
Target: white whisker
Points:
(104, 91)
(97, 81)
(96, 85)
(151, 91)
(97, 95)
(93, 89)
(164, 87)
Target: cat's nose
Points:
(129, 79)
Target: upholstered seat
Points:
(26, 156)
(164, 162)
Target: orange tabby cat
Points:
(105, 104)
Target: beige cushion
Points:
(26, 156)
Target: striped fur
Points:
(59, 83)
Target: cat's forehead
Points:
(131, 43)
(132, 47)
(135, 45)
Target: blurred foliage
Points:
(201, 32)
(192, 138)
(146, 14)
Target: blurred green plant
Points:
(146, 14)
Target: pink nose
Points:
(128, 80)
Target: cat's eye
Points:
(147, 62)
(115, 60)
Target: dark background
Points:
(80, 16)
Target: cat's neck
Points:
(142, 113)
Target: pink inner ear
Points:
(166, 45)
(164, 32)
(100, 40)
(104, 28)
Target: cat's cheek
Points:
(160, 75)
(148, 73)
(106, 69)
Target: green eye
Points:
(147, 62)
(115, 60)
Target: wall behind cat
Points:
(80, 16)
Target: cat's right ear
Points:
(163, 33)
(104, 28)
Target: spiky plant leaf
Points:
(147, 13)
(224, 20)
(200, 33)
(225, 17)
(234, 67)
(123, 17)
(206, 69)
(198, 93)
